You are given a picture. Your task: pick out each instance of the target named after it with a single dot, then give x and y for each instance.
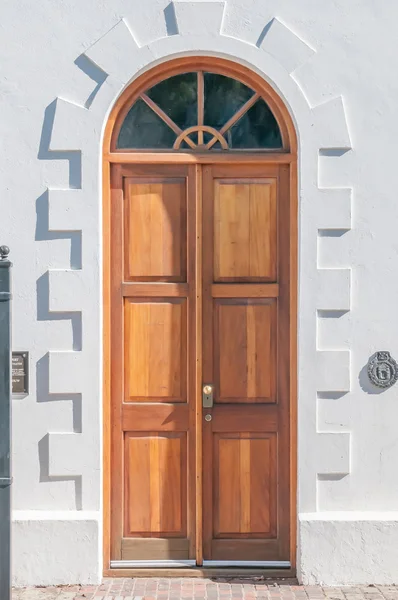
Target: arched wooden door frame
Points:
(111, 155)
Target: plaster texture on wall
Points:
(342, 99)
(350, 548)
(55, 548)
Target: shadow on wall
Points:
(93, 72)
(44, 458)
(170, 19)
(44, 395)
(44, 313)
(365, 383)
(331, 397)
(72, 156)
(43, 233)
(262, 35)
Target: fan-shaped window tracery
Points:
(199, 111)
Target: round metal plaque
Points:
(382, 369)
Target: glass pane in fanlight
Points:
(223, 97)
(216, 146)
(177, 97)
(208, 137)
(257, 128)
(142, 128)
(193, 137)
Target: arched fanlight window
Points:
(199, 111)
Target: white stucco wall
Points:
(334, 64)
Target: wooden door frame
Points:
(287, 156)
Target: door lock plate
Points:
(207, 396)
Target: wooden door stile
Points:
(207, 319)
(107, 405)
(293, 292)
(196, 401)
(116, 265)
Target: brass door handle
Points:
(207, 396)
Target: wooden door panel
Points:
(246, 340)
(200, 298)
(245, 350)
(155, 549)
(155, 479)
(155, 229)
(246, 493)
(153, 306)
(155, 335)
(245, 230)
(246, 550)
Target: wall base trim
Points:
(348, 548)
(56, 548)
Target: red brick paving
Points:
(205, 589)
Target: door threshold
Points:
(262, 564)
(173, 564)
(150, 564)
(200, 572)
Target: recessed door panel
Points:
(245, 350)
(155, 337)
(155, 497)
(245, 499)
(155, 226)
(245, 230)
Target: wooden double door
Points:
(200, 363)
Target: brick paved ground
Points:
(205, 589)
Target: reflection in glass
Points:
(142, 128)
(177, 97)
(257, 128)
(207, 137)
(192, 136)
(223, 97)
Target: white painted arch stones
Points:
(278, 53)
